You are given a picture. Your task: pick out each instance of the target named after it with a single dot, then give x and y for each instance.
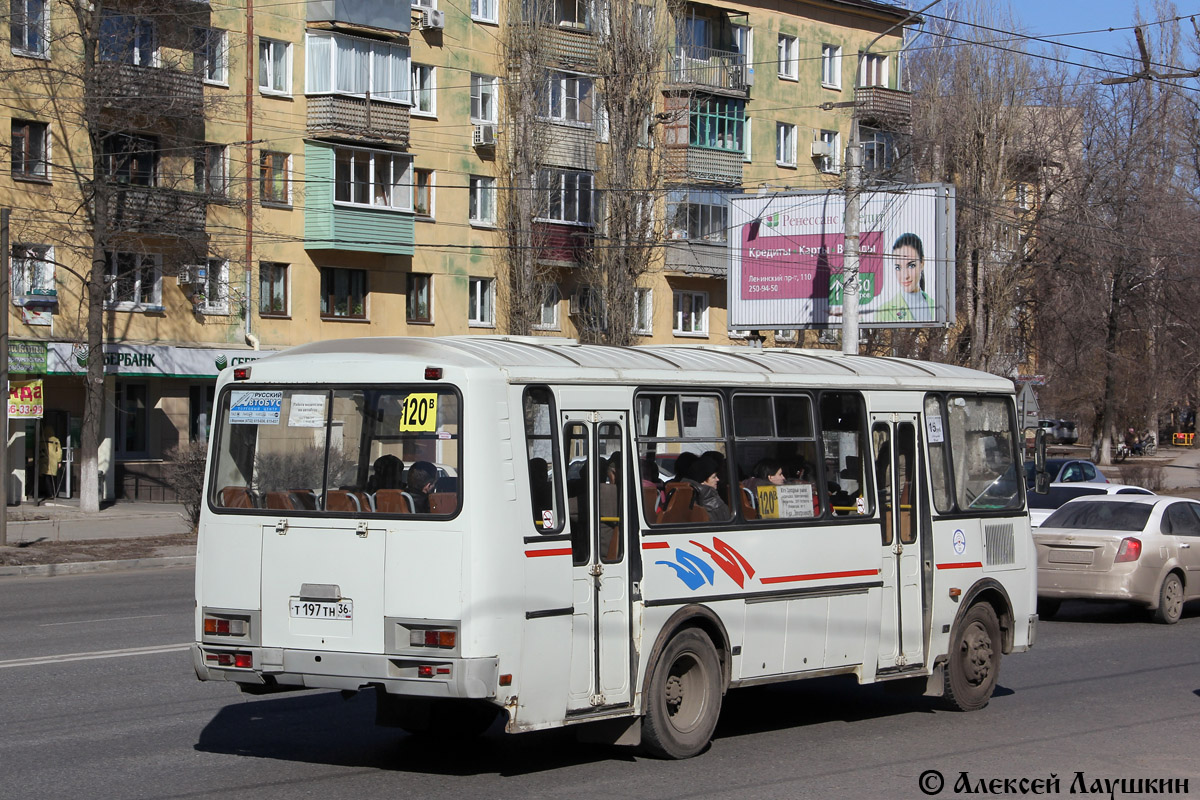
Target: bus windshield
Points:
(340, 451)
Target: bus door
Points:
(598, 518)
(901, 501)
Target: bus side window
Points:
(541, 445)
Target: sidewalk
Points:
(61, 521)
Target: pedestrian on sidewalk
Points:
(51, 459)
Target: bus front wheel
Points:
(684, 697)
(974, 659)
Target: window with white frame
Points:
(551, 298)
(30, 150)
(274, 178)
(272, 289)
(128, 39)
(216, 287)
(274, 66)
(879, 148)
(484, 10)
(1023, 196)
(482, 200)
(483, 98)
(697, 215)
(340, 64)
(643, 312)
(568, 98)
(211, 170)
(743, 42)
(29, 28)
(831, 66)
(424, 90)
(134, 281)
(33, 274)
(372, 178)
(874, 71)
(785, 144)
(789, 61)
(424, 3)
(481, 310)
(210, 55)
(830, 161)
(691, 313)
(419, 291)
(566, 196)
(573, 13)
(786, 336)
(423, 192)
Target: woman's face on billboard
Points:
(908, 268)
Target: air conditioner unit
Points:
(822, 149)
(484, 136)
(190, 274)
(748, 77)
(432, 20)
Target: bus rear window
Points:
(338, 451)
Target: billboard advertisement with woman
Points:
(788, 251)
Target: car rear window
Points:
(1097, 516)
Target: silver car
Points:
(1141, 548)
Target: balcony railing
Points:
(890, 109)
(709, 68)
(150, 209)
(154, 91)
(358, 118)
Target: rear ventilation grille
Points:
(998, 542)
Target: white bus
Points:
(477, 525)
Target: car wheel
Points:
(974, 660)
(1048, 607)
(1170, 600)
(684, 697)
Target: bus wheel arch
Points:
(698, 617)
(991, 592)
(981, 634)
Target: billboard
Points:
(787, 251)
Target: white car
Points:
(1043, 505)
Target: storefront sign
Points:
(148, 360)
(27, 357)
(25, 400)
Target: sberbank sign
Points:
(149, 360)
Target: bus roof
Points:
(544, 359)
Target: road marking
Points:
(129, 651)
(104, 619)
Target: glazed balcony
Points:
(389, 15)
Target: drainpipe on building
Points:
(251, 339)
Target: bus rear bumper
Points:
(280, 669)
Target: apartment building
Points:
(263, 175)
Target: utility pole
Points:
(850, 285)
(5, 478)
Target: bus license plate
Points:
(314, 609)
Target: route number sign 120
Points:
(419, 413)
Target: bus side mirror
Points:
(1041, 483)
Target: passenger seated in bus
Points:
(653, 494)
(612, 468)
(387, 472)
(766, 471)
(719, 458)
(702, 474)
(682, 463)
(841, 500)
(421, 477)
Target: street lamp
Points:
(853, 208)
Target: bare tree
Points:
(123, 112)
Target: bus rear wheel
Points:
(684, 697)
(974, 660)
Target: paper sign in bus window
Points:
(255, 407)
(419, 413)
(307, 411)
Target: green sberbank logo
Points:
(222, 362)
(80, 351)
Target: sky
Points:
(1084, 23)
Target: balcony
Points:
(333, 226)
(387, 15)
(709, 259)
(684, 162)
(888, 109)
(562, 245)
(573, 48)
(709, 69)
(358, 119)
(149, 91)
(151, 209)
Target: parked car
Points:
(1138, 548)
(1066, 470)
(1059, 431)
(1043, 505)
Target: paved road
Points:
(1103, 692)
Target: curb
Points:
(85, 567)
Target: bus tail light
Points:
(429, 671)
(224, 626)
(445, 638)
(236, 660)
(433, 373)
(1130, 550)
